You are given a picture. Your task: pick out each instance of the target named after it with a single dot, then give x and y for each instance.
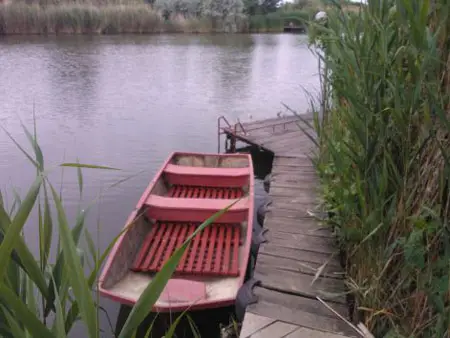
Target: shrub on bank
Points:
(384, 160)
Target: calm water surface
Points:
(128, 101)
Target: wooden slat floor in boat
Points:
(297, 244)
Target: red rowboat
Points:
(188, 189)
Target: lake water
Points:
(128, 101)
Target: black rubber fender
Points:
(245, 297)
(261, 213)
(257, 239)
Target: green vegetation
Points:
(151, 16)
(384, 160)
(45, 296)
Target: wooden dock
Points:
(297, 247)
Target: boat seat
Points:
(213, 252)
(188, 191)
(195, 209)
(207, 177)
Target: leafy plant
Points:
(383, 159)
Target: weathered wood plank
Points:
(250, 125)
(296, 205)
(291, 161)
(253, 323)
(301, 311)
(305, 225)
(300, 255)
(300, 241)
(273, 277)
(307, 268)
(301, 211)
(276, 330)
(280, 193)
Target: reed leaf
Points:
(75, 271)
(89, 166)
(13, 232)
(21, 311)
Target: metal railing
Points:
(228, 124)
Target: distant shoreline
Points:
(111, 19)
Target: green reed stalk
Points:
(383, 159)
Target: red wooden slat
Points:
(219, 249)
(207, 193)
(188, 192)
(201, 256)
(227, 253)
(234, 271)
(202, 192)
(161, 246)
(176, 191)
(196, 192)
(171, 191)
(193, 253)
(171, 245)
(144, 248)
(211, 245)
(186, 253)
(161, 228)
(215, 251)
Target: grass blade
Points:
(14, 327)
(20, 310)
(75, 270)
(89, 166)
(58, 325)
(12, 235)
(80, 179)
(20, 148)
(154, 289)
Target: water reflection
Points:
(73, 71)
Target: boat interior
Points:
(171, 213)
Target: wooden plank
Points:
(279, 189)
(301, 211)
(276, 330)
(300, 311)
(303, 332)
(300, 241)
(290, 161)
(296, 205)
(253, 323)
(284, 193)
(307, 268)
(305, 225)
(249, 125)
(286, 135)
(272, 277)
(300, 255)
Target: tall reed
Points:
(44, 296)
(384, 160)
(112, 18)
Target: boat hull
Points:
(213, 268)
